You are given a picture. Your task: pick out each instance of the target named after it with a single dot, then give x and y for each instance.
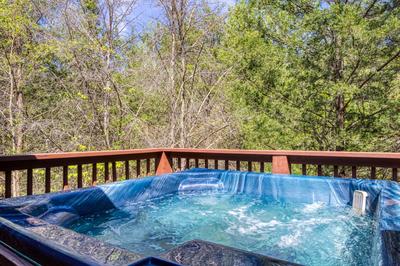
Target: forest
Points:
(79, 75)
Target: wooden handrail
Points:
(385, 158)
(169, 159)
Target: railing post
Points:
(106, 172)
(8, 182)
(147, 166)
(164, 165)
(94, 174)
(280, 165)
(29, 181)
(179, 163)
(126, 169)
(354, 172)
(138, 171)
(250, 166)
(319, 170)
(304, 169)
(114, 171)
(335, 171)
(187, 163)
(80, 181)
(65, 177)
(47, 181)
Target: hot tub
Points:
(202, 216)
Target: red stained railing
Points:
(126, 164)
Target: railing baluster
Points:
(47, 178)
(373, 172)
(138, 172)
(29, 182)
(319, 171)
(249, 166)
(179, 163)
(196, 163)
(237, 165)
(335, 171)
(65, 177)
(94, 174)
(106, 172)
(126, 169)
(226, 164)
(216, 166)
(394, 174)
(114, 171)
(304, 169)
(7, 192)
(206, 163)
(354, 172)
(187, 163)
(262, 167)
(80, 176)
(147, 166)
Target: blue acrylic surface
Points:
(284, 195)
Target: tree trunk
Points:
(340, 118)
(106, 117)
(16, 121)
(173, 86)
(18, 140)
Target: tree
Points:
(22, 56)
(192, 111)
(92, 48)
(316, 75)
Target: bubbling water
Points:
(310, 234)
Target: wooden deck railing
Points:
(159, 161)
(144, 163)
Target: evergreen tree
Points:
(315, 74)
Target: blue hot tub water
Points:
(310, 234)
(303, 219)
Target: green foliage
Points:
(315, 75)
